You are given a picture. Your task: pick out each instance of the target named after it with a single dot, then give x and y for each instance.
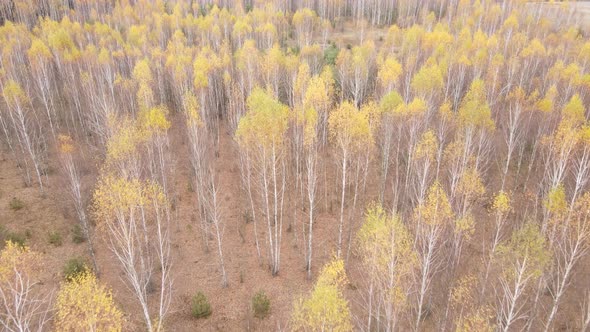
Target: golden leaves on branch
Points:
(16, 259)
(66, 144)
(326, 307)
(350, 128)
(84, 304)
(116, 197)
(265, 123)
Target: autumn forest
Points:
(294, 165)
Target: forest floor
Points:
(197, 269)
(194, 268)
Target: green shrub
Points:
(260, 305)
(200, 307)
(247, 216)
(16, 204)
(16, 238)
(330, 54)
(74, 267)
(2, 235)
(54, 238)
(78, 234)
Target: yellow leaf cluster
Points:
(573, 113)
(477, 320)
(265, 123)
(528, 246)
(416, 108)
(391, 102)
(445, 112)
(60, 40)
(191, 108)
(474, 110)
(124, 142)
(247, 55)
(14, 259)
(320, 90)
(38, 52)
(13, 93)
(310, 127)
(116, 197)
(326, 308)
(436, 210)
(386, 247)
(113, 195)
(303, 16)
(470, 184)
(350, 128)
(201, 67)
(154, 120)
(462, 292)
(66, 144)
(85, 305)
(142, 72)
(556, 203)
(501, 203)
(427, 146)
(534, 49)
(546, 103)
(428, 80)
(302, 79)
(389, 71)
(465, 225)
(241, 27)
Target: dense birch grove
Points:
(447, 143)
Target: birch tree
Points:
(386, 248)
(350, 132)
(431, 222)
(23, 307)
(74, 186)
(571, 245)
(261, 132)
(501, 207)
(28, 136)
(132, 215)
(523, 259)
(311, 146)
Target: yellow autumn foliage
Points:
(265, 123)
(16, 259)
(154, 121)
(427, 146)
(325, 308)
(66, 144)
(501, 204)
(474, 110)
(386, 247)
(528, 248)
(85, 305)
(349, 128)
(436, 210)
